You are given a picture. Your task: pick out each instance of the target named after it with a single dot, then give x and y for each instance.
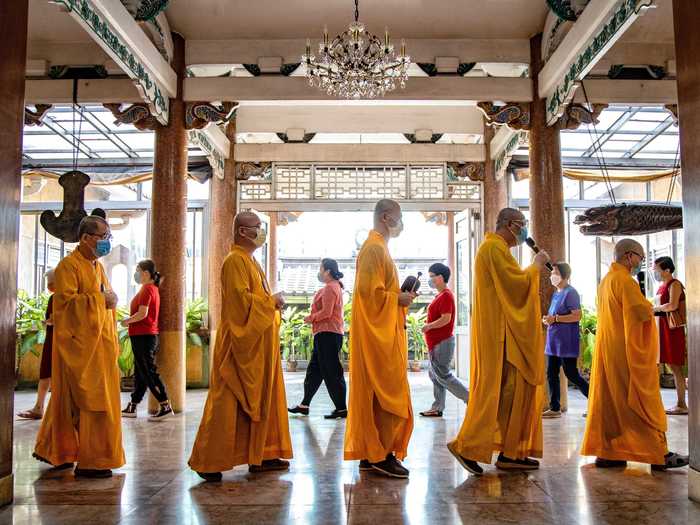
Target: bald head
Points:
(246, 219)
(92, 225)
(246, 228)
(508, 215)
(625, 247)
(386, 206)
(387, 218)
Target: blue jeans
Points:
(442, 377)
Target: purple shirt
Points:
(563, 339)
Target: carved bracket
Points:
(515, 115)
(199, 114)
(307, 138)
(474, 171)
(247, 170)
(36, 118)
(411, 137)
(436, 217)
(577, 114)
(139, 115)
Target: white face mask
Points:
(395, 231)
(260, 236)
(555, 279)
(137, 277)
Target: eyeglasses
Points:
(523, 224)
(638, 255)
(104, 237)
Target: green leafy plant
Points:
(195, 317)
(414, 329)
(296, 337)
(126, 354)
(588, 326)
(30, 322)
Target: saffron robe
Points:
(380, 415)
(83, 420)
(245, 416)
(626, 418)
(507, 359)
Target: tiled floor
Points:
(157, 487)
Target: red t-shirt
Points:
(148, 296)
(444, 303)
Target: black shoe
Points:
(505, 463)
(164, 412)
(391, 467)
(337, 414)
(210, 476)
(304, 411)
(470, 465)
(130, 410)
(269, 465)
(365, 465)
(610, 463)
(431, 413)
(92, 473)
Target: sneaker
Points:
(365, 465)
(610, 463)
(130, 410)
(210, 476)
(391, 467)
(304, 411)
(337, 414)
(505, 463)
(164, 412)
(551, 414)
(470, 465)
(269, 465)
(92, 473)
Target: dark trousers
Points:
(325, 367)
(146, 375)
(571, 371)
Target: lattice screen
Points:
(359, 182)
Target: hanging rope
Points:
(598, 154)
(357, 10)
(76, 137)
(676, 172)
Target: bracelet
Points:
(556, 318)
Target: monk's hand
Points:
(541, 259)
(406, 298)
(279, 300)
(111, 299)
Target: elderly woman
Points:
(672, 347)
(563, 337)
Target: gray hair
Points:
(626, 246)
(89, 225)
(385, 206)
(507, 215)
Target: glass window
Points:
(581, 254)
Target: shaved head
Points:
(387, 218)
(92, 225)
(508, 215)
(246, 226)
(50, 276)
(245, 219)
(625, 246)
(385, 206)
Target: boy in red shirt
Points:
(439, 336)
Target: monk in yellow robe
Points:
(380, 416)
(626, 418)
(507, 355)
(83, 420)
(245, 416)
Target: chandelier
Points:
(356, 64)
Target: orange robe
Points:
(83, 420)
(380, 416)
(245, 416)
(507, 359)
(626, 418)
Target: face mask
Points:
(395, 231)
(657, 277)
(320, 278)
(103, 247)
(431, 284)
(137, 277)
(634, 270)
(555, 279)
(521, 235)
(260, 237)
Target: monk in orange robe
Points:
(245, 416)
(626, 418)
(83, 420)
(380, 416)
(507, 355)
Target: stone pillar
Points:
(13, 59)
(451, 251)
(272, 251)
(686, 18)
(222, 210)
(495, 191)
(168, 226)
(546, 186)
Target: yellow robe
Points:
(83, 420)
(245, 416)
(380, 416)
(626, 418)
(505, 400)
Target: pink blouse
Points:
(327, 310)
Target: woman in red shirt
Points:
(326, 319)
(143, 333)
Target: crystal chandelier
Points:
(356, 64)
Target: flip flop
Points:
(673, 460)
(29, 414)
(677, 411)
(431, 413)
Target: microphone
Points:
(533, 246)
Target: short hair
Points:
(507, 215)
(384, 206)
(564, 269)
(665, 263)
(88, 225)
(440, 269)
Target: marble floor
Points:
(156, 486)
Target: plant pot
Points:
(415, 366)
(29, 368)
(127, 384)
(197, 365)
(291, 365)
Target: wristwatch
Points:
(556, 318)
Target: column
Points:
(686, 18)
(222, 210)
(451, 251)
(272, 252)
(13, 40)
(546, 186)
(168, 226)
(495, 196)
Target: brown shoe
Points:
(610, 463)
(269, 465)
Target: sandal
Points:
(431, 413)
(673, 460)
(677, 411)
(30, 414)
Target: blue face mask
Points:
(521, 235)
(103, 247)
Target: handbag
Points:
(677, 318)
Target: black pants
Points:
(571, 371)
(325, 366)
(145, 372)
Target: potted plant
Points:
(416, 342)
(31, 332)
(295, 337)
(345, 350)
(197, 343)
(126, 355)
(587, 326)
